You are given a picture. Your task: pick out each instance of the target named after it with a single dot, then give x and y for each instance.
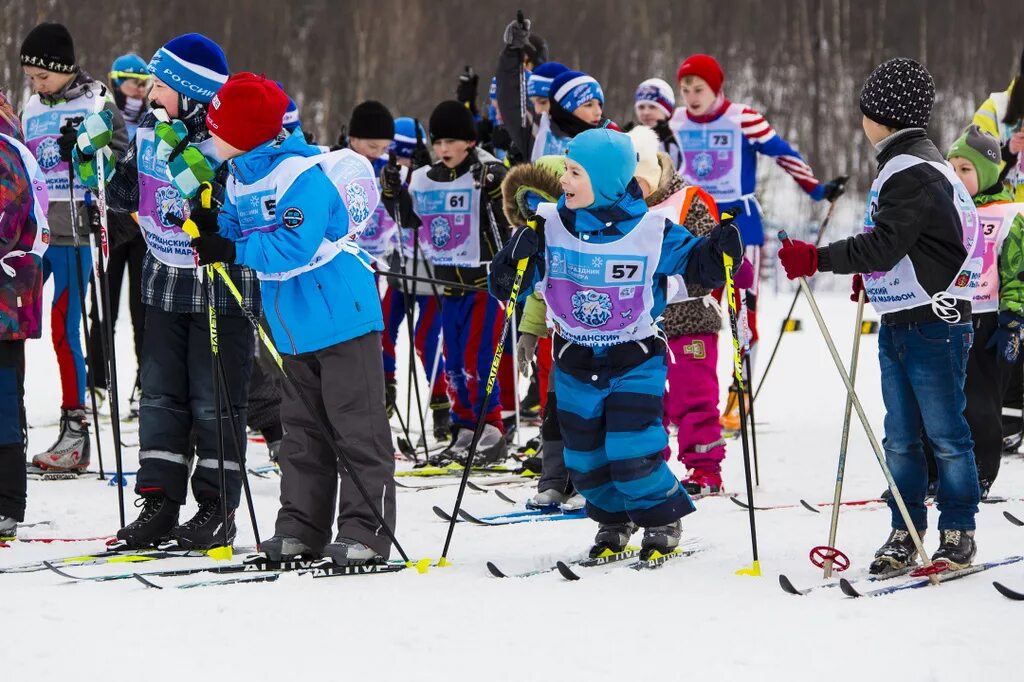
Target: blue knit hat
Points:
(539, 82)
(290, 121)
(128, 66)
(610, 160)
(573, 89)
(192, 65)
(405, 137)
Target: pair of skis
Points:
(572, 570)
(511, 518)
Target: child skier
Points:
(921, 252)
(24, 236)
(998, 303)
(326, 319)
(576, 104)
(655, 103)
(538, 86)
(455, 206)
(721, 141)
(177, 411)
(606, 260)
(63, 93)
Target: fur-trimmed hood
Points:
(527, 185)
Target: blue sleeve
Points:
(308, 204)
(227, 221)
(676, 247)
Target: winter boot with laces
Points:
(956, 549)
(660, 539)
(159, 515)
(612, 537)
(205, 530)
(71, 451)
(897, 553)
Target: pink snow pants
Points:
(691, 401)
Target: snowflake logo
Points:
(703, 164)
(440, 232)
(592, 308)
(169, 202)
(358, 203)
(49, 153)
(597, 261)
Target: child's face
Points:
(164, 96)
(576, 184)
(46, 82)
(133, 88)
(697, 94)
(452, 152)
(876, 132)
(649, 114)
(967, 173)
(370, 148)
(224, 150)
(541, 104)
(590, 112)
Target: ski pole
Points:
(737, 362)
(410, 303)
(844, 442)
(192, 230)
(796, 297)
(753, 420)
(852, 396)
(235, 431)
(80, 284)
(438, 282)
(115, 407)
(482, 419)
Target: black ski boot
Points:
(660, 539)
(390, 397)
(442, 420)
(285, 548)
(897, 553)
(158, 517)
(205, 530)
(612, 537)
(956, 549)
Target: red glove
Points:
(799, 259)
(744, 277)
(858, 286)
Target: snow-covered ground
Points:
(691, 619)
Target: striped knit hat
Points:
(405, 137)
(573, 89)
(539, 82)
(192, 65)
(656, 91)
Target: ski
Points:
(457, 469)
(657, 558)
(1013, 519)
(1007, 592)
(607, 557)
(521, 517)
(110, 556)
(270, 571)
(654, 561)
(46, 541)
(787, 585)
(850, 591)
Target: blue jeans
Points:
(924, 366)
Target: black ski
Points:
(1007, 592)
(850, 591)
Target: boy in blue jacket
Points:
(603, 271)
(287, 220)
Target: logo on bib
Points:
(49, 153)
(703, 164)
(440, 232)
(292, 218)
(592, 308)
(168, 201)
(357, 202)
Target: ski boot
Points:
(390, 397)
(956, 549)
(547, 499)
(285, 548)
(933, 490)
(492, 448)
(8, 529)
(510, 426)
(159, 515)
(205, 530)
(897, 553)
(730, 419)
(612, 537)
(450, 455)
(349, 552)
(1012, 441)
(71, 451)
(574, 504)
(985, 485)
(660, 539)
(700, 484)
(442, 420)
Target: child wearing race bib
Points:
(325, 317)
(921, 259)
(998, 300)
(455, 208)
(177, 412)
(655, 103)
(604, 269)
(720, 143)
(63, 92)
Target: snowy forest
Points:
(800, 61)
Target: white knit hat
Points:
(657, 92)
(645, 142)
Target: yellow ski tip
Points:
(443, 562)
(421, 566)
(128, 559)
(754, 570)
(221, 553)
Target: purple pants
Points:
(691, 401)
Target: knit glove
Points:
(799, 259)
(169, 136)
(744, 277)
(95, 132)
(526, 347)
(1006, 339)
(212, 248)
(857, 286)
(187, 167)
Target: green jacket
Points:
(534, 317)
(1011, 257)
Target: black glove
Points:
(725, 238)
(212, 248)
(391, 178)
(517, 33)
(524, 244)
(833, 189)
(484, 132)
(465, 92)
(664, 132)
(500, 138)
(205, 219)
(420, 157)
(1006, 338)
(93, 211)
(68, 138)
(489, 181)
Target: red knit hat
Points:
(703, 66)
(247, 111)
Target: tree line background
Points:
(801, 62)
